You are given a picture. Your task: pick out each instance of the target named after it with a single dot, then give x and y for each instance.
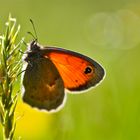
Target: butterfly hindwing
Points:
(44, 87)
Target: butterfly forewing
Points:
(78, 72)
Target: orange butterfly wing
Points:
(78, 72)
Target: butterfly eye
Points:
(88, 70)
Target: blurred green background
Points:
(109, 32)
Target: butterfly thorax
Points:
(34, 53)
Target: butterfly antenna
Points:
(32, 35)
(35, 37)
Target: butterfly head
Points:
(34, 47)
(34, 52)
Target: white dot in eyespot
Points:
(88, 70)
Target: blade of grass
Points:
(9, 54)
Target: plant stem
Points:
(9, 69)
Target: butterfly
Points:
(51, 70)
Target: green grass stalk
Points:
(10, 67)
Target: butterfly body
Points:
(51, 70)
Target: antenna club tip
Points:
(31, 20)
